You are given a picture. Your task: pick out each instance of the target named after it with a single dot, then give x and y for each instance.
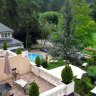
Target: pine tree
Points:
(11, 14)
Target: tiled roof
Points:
(9, 41)
(4, 28)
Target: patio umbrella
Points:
(7, 68)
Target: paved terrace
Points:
(29, 77)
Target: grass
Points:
(54, 65)
(88, 52)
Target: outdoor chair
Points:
(23, 84)
(15, 73)
(53, 61)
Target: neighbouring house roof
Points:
(10, 41)
(4, 28)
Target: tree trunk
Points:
(27, 37)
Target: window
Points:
(8, 34)
(4, 35)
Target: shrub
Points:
(86, 82)
(92, 72)
(94, 57)
(38, 61)
(44, 64)
(18, 51)
(90, 61)
(5, 46)
(78, 86)
(34, 89)
(67, 75)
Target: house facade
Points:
(6, 35)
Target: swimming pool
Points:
(32, 56)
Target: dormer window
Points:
(5, 35)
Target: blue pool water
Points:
(32, 56)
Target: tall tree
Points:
(29, 21)
(10, 13)
(84, 25)
(65, 38)
(56, 5)
(93, 12)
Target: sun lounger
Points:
(22, 83)
(53, 61)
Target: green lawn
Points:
(54, 65)
(87, 52)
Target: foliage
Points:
(93, 12)
(45, 31)
(63, 38)
(78, 87)
(90, 61)
(94, 57)
(38, 61)
(84, 25)
(50, 17)
(92, 72)
(67, 75)
(18, 51)
(87, 52)
(82, 85)
(44, 64)
(56, 5)
(9, 14)
(5, 45)
(29, 25)
(86, 82)
(34, 89)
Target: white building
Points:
(6, 35)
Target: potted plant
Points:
(18, 51)
(38, 61)
(34, 89)
(5, 45)
(67, 77)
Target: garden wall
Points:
(61, 89)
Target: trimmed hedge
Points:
(18, 51)
(67, 75)
(34, 89)
(5, 45)
(38, 61)
(44, 64)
